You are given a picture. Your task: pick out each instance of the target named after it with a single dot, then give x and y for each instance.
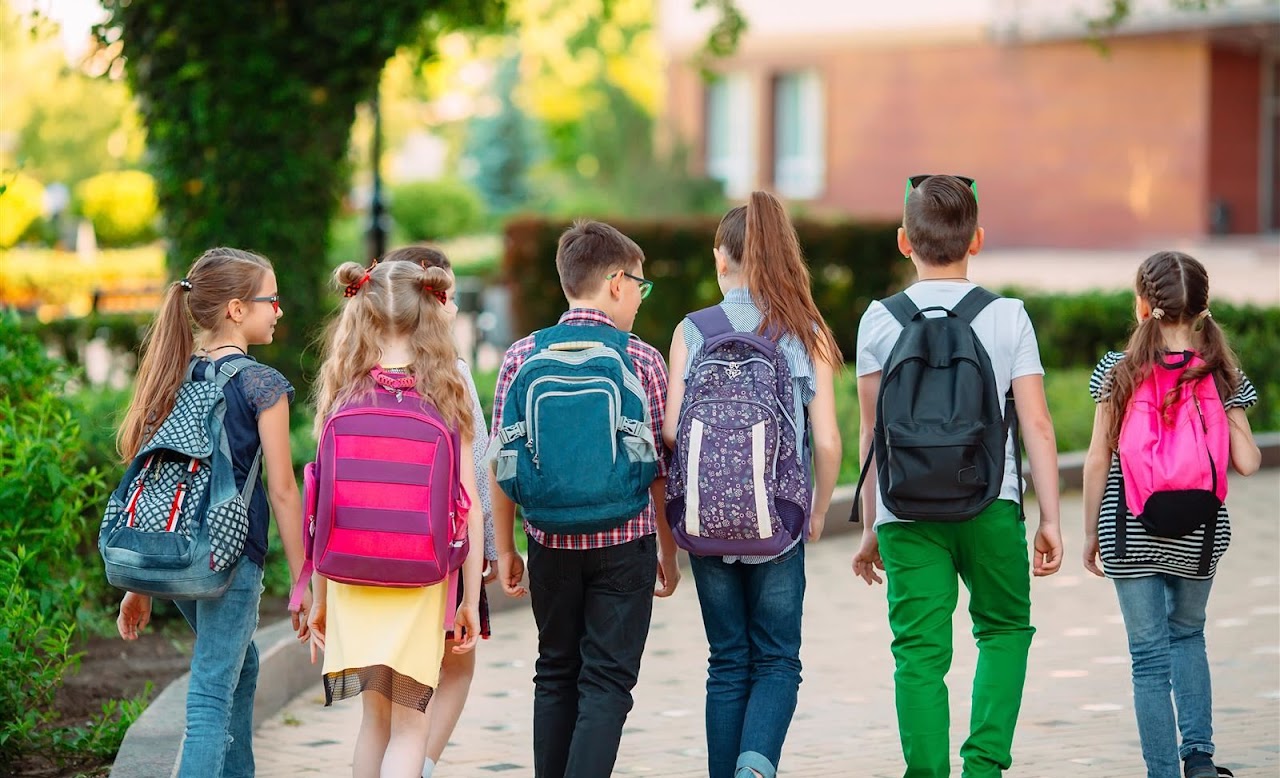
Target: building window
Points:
(799, 134)
(731, 134)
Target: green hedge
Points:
(1075, 330)
(852, 264)
(122, 206)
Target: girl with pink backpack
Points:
(390, 518)
(1170, 417)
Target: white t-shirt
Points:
(1003, 328)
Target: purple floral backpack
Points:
(739, 483)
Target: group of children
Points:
(682, 460)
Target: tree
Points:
(249, 107)
(500, 145)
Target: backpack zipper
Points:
(630, 380)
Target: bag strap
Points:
(902, 308)
(973, 304)
(711, 322)
(855, 513)
(1011, 427)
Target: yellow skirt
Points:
(384, 640)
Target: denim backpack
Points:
(176, 525)
(739, 482)
(574, 448)
(383, 500)
(1174, 457)
(940, 432)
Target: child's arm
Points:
(675, 387)
(1097, 463)
(1042, 449)
(317, 622)
(867, 558)
(467, 624)
(826, 446)
(657, 392)
(668, 564)
(1246, 458)
(282, 492)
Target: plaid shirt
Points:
(652, 371)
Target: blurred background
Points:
(133, 135)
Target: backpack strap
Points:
(711, 322)
(902, 308)
(973, 304)
(855, 513)
(1011, 429)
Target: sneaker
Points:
(1198, 764)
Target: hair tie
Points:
(1205, 314)
(436, 293)
(355, 285)
(185, 284)
(1157, 313)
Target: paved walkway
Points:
(1077, 716)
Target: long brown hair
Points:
(399, 298)
(1177, 286)
(762, 242)
(217, 277)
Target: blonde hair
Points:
(399, 298)
(217, 277)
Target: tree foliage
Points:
(249, 109)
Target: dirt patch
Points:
(113, 669)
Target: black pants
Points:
(592, 609)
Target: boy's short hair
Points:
(940, 217)
(589, 251)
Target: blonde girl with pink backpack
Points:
(1170, 418)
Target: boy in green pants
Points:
(923, 559)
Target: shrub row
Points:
(122, 205)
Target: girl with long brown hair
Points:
(395, 329)
(751, 605)
(230, 297)
(1161, 582)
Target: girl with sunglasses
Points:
(231, 297)
(751, 605)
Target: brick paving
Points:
(1077, 716)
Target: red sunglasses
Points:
(273, 299)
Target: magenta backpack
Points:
(1174, 460)
(384, 503)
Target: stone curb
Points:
(151, 746)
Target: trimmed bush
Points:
(435, 210)
(21, 203)
(851, 263)
(122, 206)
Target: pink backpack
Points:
(1174, 461)
(384, 502)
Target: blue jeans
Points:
(1164, 616)
(224, 676)
(751, 614)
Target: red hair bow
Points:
(355, 285)
(436, 293)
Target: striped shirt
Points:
(651, 369)
(1147, 554)
(745, 316)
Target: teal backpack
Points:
(575, 450)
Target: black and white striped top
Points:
(1146, 553)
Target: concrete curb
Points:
(152, 745)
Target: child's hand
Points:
(1091, 553)
(668, 575)
(466, 628)
(316, 628)
(867, 558)
(135, 614)
(1048, 556)
(510, 573)
(490, 572)
(299, 618)
(816, 523)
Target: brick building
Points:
(1172, 131)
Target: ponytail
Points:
(778, 278)
(165, 350)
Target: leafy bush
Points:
(851, 263)
(46, 492)
(21, 203)
(435, 210)
(122, 206)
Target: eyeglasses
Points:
(273, 299)
(646, 286)
(915, 181)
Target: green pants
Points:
(922, 561)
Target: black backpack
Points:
(939, 435)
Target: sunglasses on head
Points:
(273, 299)
(915, 181)
(646, 286)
